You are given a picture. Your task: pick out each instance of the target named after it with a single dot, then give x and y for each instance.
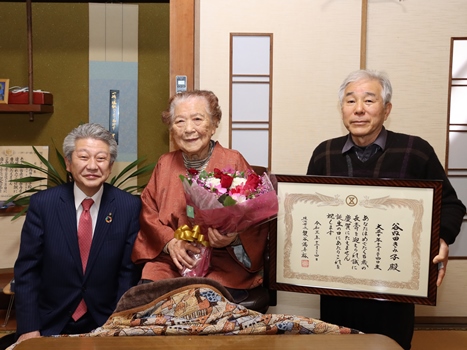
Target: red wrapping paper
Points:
(209, 212)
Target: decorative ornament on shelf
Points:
(4, 88)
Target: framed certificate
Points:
(363, 238)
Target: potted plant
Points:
(55, 178)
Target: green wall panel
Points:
(61, 66)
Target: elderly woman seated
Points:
(237, 258)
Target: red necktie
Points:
(84, 241)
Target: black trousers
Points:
(84, 325)
(395, 320)
(7, 340)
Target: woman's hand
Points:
(179, 252)
(218, 240)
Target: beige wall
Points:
(10, 233)
(450, 299)
(307, 39)
(316, 44)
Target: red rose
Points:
(252, 182)
(217, 173)
(226, 180)
(192, 171)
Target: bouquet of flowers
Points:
(227, 200)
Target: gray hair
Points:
(89, 131)
(386, 91)
(212, 105)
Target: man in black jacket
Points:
(371, 151)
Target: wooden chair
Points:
(8, 291)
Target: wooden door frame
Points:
(182, 44)
(182, 41)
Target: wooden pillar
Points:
(182, 41)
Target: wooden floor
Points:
(439, 340)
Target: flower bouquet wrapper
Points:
(238, 217)
(202, 260)
(209, 212)
(205, 210)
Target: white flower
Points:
(237, 181)
(239, 198)
(212, 182)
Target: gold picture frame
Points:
(4, 90)
(362, 238)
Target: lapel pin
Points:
(108, 218)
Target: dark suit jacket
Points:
(49, 282)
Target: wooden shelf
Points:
(11, 211)
(26, 108)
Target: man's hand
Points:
(442, 260)
(34, 334)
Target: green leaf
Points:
(142, 171)
(228, 201)
(187, 179)
(21, 199)
(203, 174)
(27, 165)
(13, 166)
(23, 211)
(122, 173)
(54, 176)
(62, 162)
(28, 179)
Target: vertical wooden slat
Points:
(363, 34)
(30, 62)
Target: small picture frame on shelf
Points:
(4, 89)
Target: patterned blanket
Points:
(198, 306)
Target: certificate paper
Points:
(15, 155)
(367, 238)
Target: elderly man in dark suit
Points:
(59, 288)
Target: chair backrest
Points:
(261, 297)
(259, 170)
